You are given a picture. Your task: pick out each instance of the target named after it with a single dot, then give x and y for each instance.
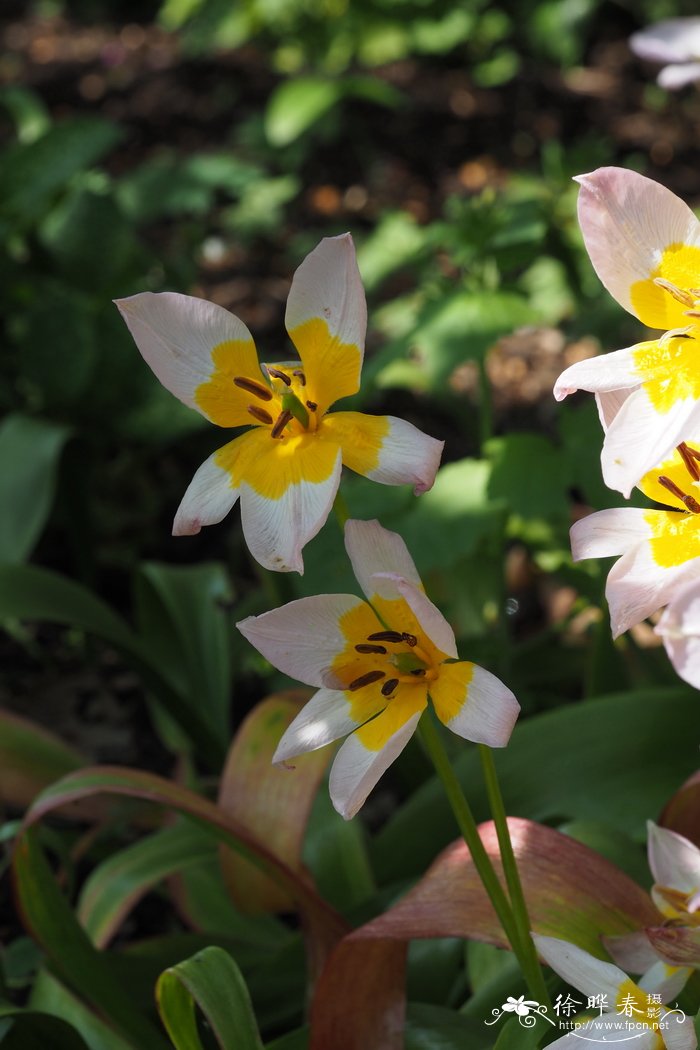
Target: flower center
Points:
(406, 662)
(687, 297)
(691, 458)
(291, 412)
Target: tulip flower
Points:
(375, 663)
(679, 627)
(628, 1012)
(644, 243)
(286, 469)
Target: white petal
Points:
(680, 629)
(176, 335)
(667, 981)
(632, 952)
(303, 637)
(674, 861)
(326, 717)
(673, 40)
(615, 371)
(400, 455)
(680, 1034)
(474, 704)
(627, 221)
(590, 975)
(378, 557)
(674, 77)
(208, 498)
(637, 586)
(609, 1030)
(429, 617)
(608, 532)
(277, 530)
(328, 285)
(357, 769)
(609, 403)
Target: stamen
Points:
(409, 639)
(311, 405)
(678, 294)
(692, 504)
(279, 375)
(366, 679)
(389, 686)
(370, 649)
(260, 414)
(689, 460)
(280, 423)
(300, 376)
(418, 672)
(385, 636)
(253, 387)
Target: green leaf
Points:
(212, 980)
(529, 475)
(34, 1030)
(514, 1036)
(436, 1028)
(49, 918)
(29, 455)
(31, 758)
(52, 997)
(296, 105)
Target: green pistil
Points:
(407, 663)
(291, 403)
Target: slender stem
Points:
(340, 509)
(510, 869)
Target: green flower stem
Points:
(340, 509)
(510, 870)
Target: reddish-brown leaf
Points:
(682, 811)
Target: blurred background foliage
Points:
(205, 146)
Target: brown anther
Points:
(280, 423)
(279, 375)
(370, 649)
(253, 387)
(418, 672)
(689, 460)
(689, 501)
(389, 686)
(260, 414)
(366, 679)
(409, 639)
(385, 636)
(300, 376)
(311, 405)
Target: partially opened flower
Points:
(375, 663)
(660, 549)
(644, 243)
(628, 1010)
(286, 469)
(674, 42)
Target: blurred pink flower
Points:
(675, 43)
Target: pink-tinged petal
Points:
(632, 952)
(664, 980)
(608, 532)
(386, 449)
(327, 318)
(609, 403)
(607, 372)
(637, 586)
(326, 717)
(627, 222)
(680, 629)
(369, 751)
(303, 637)
(673, 77)
(209, 496)
(677, 945)
(474, 704)
(596, 1033)
(378, 557)
(583, 971)
(680, 1035)
(640, 437)
(433, 623)
(195, 348)
(674, 861)
(673, 40)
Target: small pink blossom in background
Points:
(675, 43)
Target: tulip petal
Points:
(674, 861)
(580, 969)
(386, 449)
(664, 980)
(632, 952)
(608, 532)
(680, 629)
(327, 318)
(304, 637)
(329, 714)
(680, 1035)
(609, 403)
(378, 558)
(673, 77)
(430, 619)
(596, 1033)
(369, 751)
(474, 704)
(636, 230)
(195, 348)
(607, 372)
(672, 40)
(209, 496)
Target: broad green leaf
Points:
(49, 918)
(514, 1036)
(296, 105)
(52, 997)
(31, 758)
(34, 1030)
(396, 242)
(273, 804)
(212, 980)
(335, 851)
(436, 1028)
(29, 453)
(529, 474)
(28, 111)
(612, 755)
